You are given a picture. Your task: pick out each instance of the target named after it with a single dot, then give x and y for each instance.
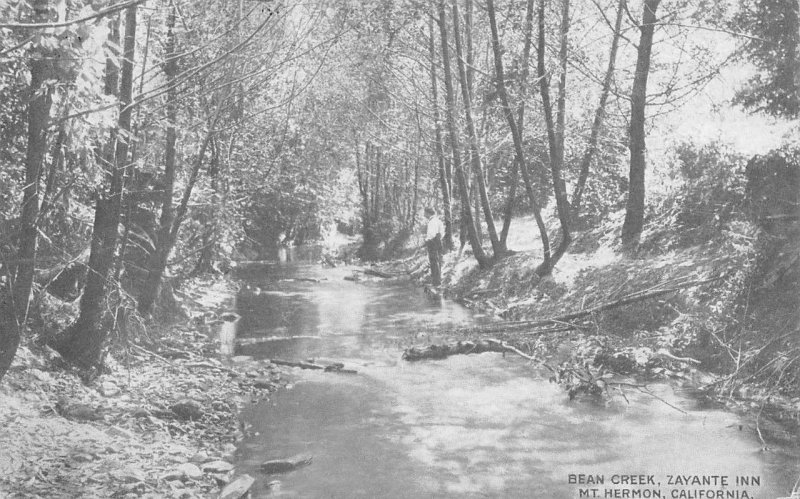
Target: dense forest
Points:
(144, 143)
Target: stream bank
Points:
(159, 421)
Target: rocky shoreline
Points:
(157, 422)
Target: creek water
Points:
(467, 426)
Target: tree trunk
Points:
(559, 185)
(158, 260)
(474, 146)
(9, 328)
(516, 125)
(634, 211)
(445, 180)
(477, 250)
(82, 342)
(599, 117)
(38, 115)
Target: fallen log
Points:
(460, 348)
(301, 365)
(336, 367)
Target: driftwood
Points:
(461, 348)
(299, 279)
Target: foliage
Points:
(706, 200)
(773, 46)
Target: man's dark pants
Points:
(435, 257)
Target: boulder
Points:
(237, 488)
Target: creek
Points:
(467, 426)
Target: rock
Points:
(217, 467)
(264, 383)
(286, 465)
(237, 488)
(200, 457)
(187, 409)
(128, 475)
(82, 412)
(108, 389)
(140, 412)
(116, 431)
(186, 470)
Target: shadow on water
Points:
(467, 426)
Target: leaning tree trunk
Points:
(515, 125)
(634, 210)
(477, 250)
(474, 147)
(599, 117)
(83, 341)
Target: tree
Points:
(16, 287)
(773, 47)
(634, 211)
(516, 124)
(450, 112)
(83, 341)
(445, 173)
(474, 147)
(555, 130)
(599, 117)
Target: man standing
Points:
(433, 241)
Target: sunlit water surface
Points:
(468, 426)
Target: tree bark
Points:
(469, 222)
(474, 146)
(599, 117)
(515, 125)
(445, 178)
(634, 211)
(83, 341)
